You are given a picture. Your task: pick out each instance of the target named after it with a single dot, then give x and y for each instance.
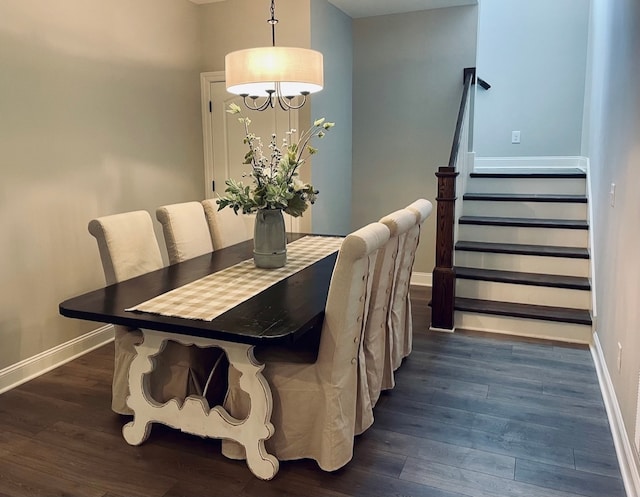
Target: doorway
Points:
(223, 136)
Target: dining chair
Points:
(225, 226)
(315, 403)
(185, 229)
(422, 209)
(128, 247)
(400, 224)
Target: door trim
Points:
(206, 78)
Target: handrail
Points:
(468, 78)
(444, 276)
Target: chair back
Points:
(127, 244)
(225, 226)
(422, 208)
(186, 233)
(385, 334)
(340, 349)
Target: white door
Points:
(223, 136)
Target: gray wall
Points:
(533, 53)
(407, 87)
(331, 35)
(612, 142)
(99, 113)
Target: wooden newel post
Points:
(444, 275)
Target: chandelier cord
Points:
(273, 21)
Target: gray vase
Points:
(269, 239)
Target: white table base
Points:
(194, 416)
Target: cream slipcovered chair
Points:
(128, 248)
(315, 403)
(400, 321)
(186, 232)
(227, 227)
(421, 208)
(378, 338)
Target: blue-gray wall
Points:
(407, 87)
(331, 173)
(533, 53)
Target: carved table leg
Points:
(194, 415)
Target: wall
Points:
(99, 114)
(612, 142)
(331, 35)
(533, 53)
(407, 87)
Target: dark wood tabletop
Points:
(282, 314)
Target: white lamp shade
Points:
(255, 71)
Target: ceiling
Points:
(369, 8)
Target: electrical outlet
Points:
(619, 356)
(515, 137)
(612, 195)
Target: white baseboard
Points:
(549, 162)
(621, 440)
(39, 364)
(421, 279)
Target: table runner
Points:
(208, 297)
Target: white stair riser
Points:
(523, 294)
(524, 263)
(537, 210)
(567, 186)
(568, 332)
(528, 236)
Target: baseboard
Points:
(621, 440)
(421, 279)
(550, 162)
(39, 364)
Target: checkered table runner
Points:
(208, 297)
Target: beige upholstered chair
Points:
(315, 404)
(400, 224)
(227, 227)
(128, 248)
(421, 208)
(185, 229)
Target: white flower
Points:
(298, 185)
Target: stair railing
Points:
(448, 210)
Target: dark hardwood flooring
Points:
(471, 415)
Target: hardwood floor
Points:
(471, 415)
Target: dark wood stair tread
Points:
(541, 312)
(520, 249)
(525, 222)
(530, 173)
(520, 278)
(526, 197)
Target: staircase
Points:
(522, 260)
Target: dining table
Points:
(222, 300)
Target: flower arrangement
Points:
(275, 176)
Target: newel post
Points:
(444, 275)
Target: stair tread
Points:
(521, 249)
(526, 197)
(542, 312)
(569, 172)
(521, 278)
(525, 222)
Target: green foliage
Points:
(275, 182)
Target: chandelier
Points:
(268, 76)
